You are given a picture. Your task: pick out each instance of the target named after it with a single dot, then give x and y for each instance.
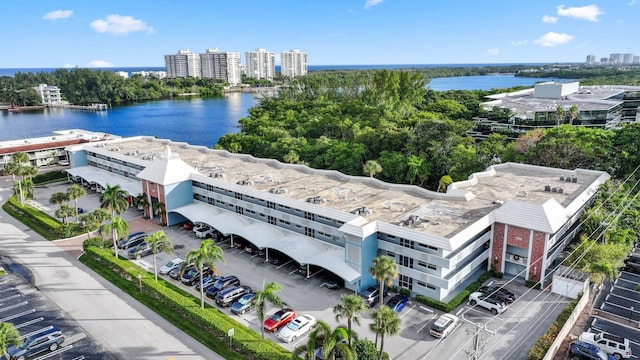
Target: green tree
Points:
(63, 212)
(8, 336)
(385, 322)
(573, 113)
(59, 198)
(159, 210)
(560, 112)
(159, 243)
(113, 199)
(267, 294)
(350, 308)
(117, 227)
(444, 183)
(335, 345)
(365, 349)
(384, 270)
(291, 157)
(371, 168)
(93, 220)
(208, 254)
(74, 192)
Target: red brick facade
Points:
(154, 190)
(497, 247)
(520, 238)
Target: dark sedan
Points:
(397, 303)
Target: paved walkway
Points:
(126, 328)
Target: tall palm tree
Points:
(350, 308)
(385, 321)
(267, 294)
(59, 198)
(8, 336)
(573, 113)
(116, 227)
(13, 168)
(159, 242)
(93, 220)
(335, 345)
(63, 212)
(113, 199)
(560, 112)
(74, 192)
(208, 254)
(384, 269)
(372, 167)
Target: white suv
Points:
(490, 303)
(611, 344)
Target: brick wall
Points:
(497, 246)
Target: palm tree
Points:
(117, 227)
(384, 269)
(159, 242)
(371, 168)
(385, 321)
(74, 192)
(158, 209)
(141, 201)
(63, 212)
(332, 343)
(113, 199)
(13, 168)
(267, 294)
(560, 114)
(350, 308)
(8, 336)
(93, 220)
(59, 198)
(208, 254)
(573, 113)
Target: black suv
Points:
(229, 295)
(222, 284)
(499, 293)
(192, 275)
(581, 350)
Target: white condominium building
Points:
(182, 65)
(261, 64)
(293, 63)
(221, 65)
(49, 94)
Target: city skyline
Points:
(354, 32)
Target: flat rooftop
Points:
(57, 138)
(437, 214)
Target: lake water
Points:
(194, 120)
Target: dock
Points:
(90, 107)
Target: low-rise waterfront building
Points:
(512, 218)
(49, 94)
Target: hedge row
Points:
(539, 350)
(35, 219)
(49, 177)
(458, 299)
(209, 325)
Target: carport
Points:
(300, 248)
(104, 178)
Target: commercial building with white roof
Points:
(512, 217)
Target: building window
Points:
(239, 210)
(432, 267)
(391, 254)
(309, 232)
(309, 216)
(272, 220)
(238, 196)
(405, 282)
(407, 243)
(406, 261)
(271, 205)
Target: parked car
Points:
(197, 226)
(279, 319)
(296, 328)
(397, 302)
(445, 324)
(204, 232)
(371, 295)
(174, 263)
(191, 276)
(141, 250)
(188, 225)
(131, 240)
(488, 302)
(229, 295)
(617, 346)
(176, 273)
(243, 304)
(334, 283)
(498, 292)
(206, 282)
(580, 350)
(46, 340)
(221, 284)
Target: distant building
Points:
(616, 59)
(155, 74)
(49, 94)
(221, 65)
(182, 65)
(636, 59)
(261, 64)
(627, 58)
(123, 74)
(293, 63)
(591, 59)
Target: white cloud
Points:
(120, 25)
(372, 3)
(552, 39)
(519, 42)
(549, 19)
(493, 51)
(589, 12)
(66, 66)
(99, 64)
(58, 14)
(633, 2)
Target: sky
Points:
(119, 33)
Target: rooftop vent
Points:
(498, 202)
(217, 175)
(244, 182)
(568, 179)
(362, 211)
(560, 190)
(315, 199)
(412, 220)
(574, 179)
(278, 190)
(547, 188)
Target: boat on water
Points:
(14, 108)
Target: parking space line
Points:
(18, 315)
(12, 297)
(7, 308)
(426, 309)
(56, 352)
(285, 264)
(27, 323)
(35, 332)
(408, 311)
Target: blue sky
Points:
(121, 33)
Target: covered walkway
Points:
(104, 178)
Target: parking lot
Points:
(510, 335)
(31, 313)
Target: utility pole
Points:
(478, 340)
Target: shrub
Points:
(51, 176)
(458, 299)
(35, 219)
(94, 241)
